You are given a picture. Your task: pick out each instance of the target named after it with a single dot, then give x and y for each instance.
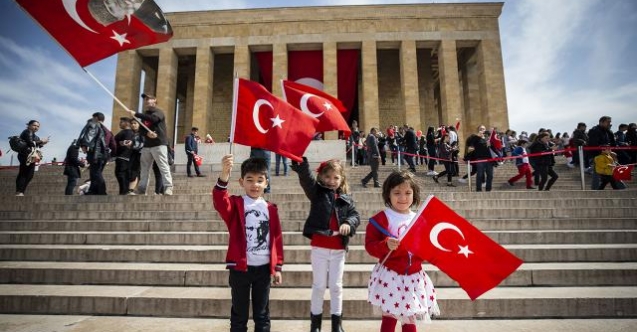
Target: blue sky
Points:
(565, 61)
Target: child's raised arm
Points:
(226, 167)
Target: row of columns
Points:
(490, 73)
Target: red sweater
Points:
(231, 210)
(399, 260)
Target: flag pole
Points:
(141, 123)
(235, 96)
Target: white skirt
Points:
(405, 297)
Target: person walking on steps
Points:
(192, 148)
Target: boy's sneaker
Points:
(19, 194)
(510, 183)
(168, 191)
(462, 180)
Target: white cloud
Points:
(553, 55)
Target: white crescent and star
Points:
(622, 169)
(306, 97)
(438, 228)
(276, 121)
(71, 8)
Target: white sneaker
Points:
(570, 165)
(432, 173)
(168, 191)
(19, 194)
(461, 180)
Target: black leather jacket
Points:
(323, 203)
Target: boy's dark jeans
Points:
(255, 282)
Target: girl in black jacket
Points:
(332, 221)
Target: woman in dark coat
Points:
(27, 167)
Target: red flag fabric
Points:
(440, 236)
(318, 104)
(262, 120)
(306, 67)
(91, 30)
(623, 172)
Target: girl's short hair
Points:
(396, 178)
(336, 166)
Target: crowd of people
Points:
(534, 154)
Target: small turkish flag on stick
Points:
(623, 172)
(440, 236)
(261, 120)
(318, 104)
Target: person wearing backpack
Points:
(27, 165)
(99, 144)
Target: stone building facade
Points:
(420, 64)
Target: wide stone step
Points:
(297, 195)
(210, 214)
(297, 225)
(295, 275)
(502, 302)
(293, 254)
(296, 238)
(140, 204)
(165, 324)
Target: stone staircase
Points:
(162, 256)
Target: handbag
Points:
(198, 159)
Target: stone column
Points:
(368, 114)
(492, 87)
(409, 81)
(186, 110)
(473, 114)
(429, 114)
(127, 85)
(330, 77)
(449, 82)
(202, 104)
(167, 88)
(279, 67)
(241, 61)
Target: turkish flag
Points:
(623, 172)
(318, 104)
(440, 236)
(91, 30)
(306, 67)
(261, 120)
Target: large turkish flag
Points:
(92, 30)
(440, 236)
(261, 120)
(318, 104)
(306, 67)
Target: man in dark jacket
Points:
(373, 157)
(580, 138)
(479, 147)
(99, 144)
(600, 135)
(411, 147)
(192, 149)
(155, 145)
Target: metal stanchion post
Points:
(580, 152)
(398, 155)
(469, 174)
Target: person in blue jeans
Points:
(192, 148)
(281, 159)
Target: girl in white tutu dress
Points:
(398, 287)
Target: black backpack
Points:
(17, 144)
